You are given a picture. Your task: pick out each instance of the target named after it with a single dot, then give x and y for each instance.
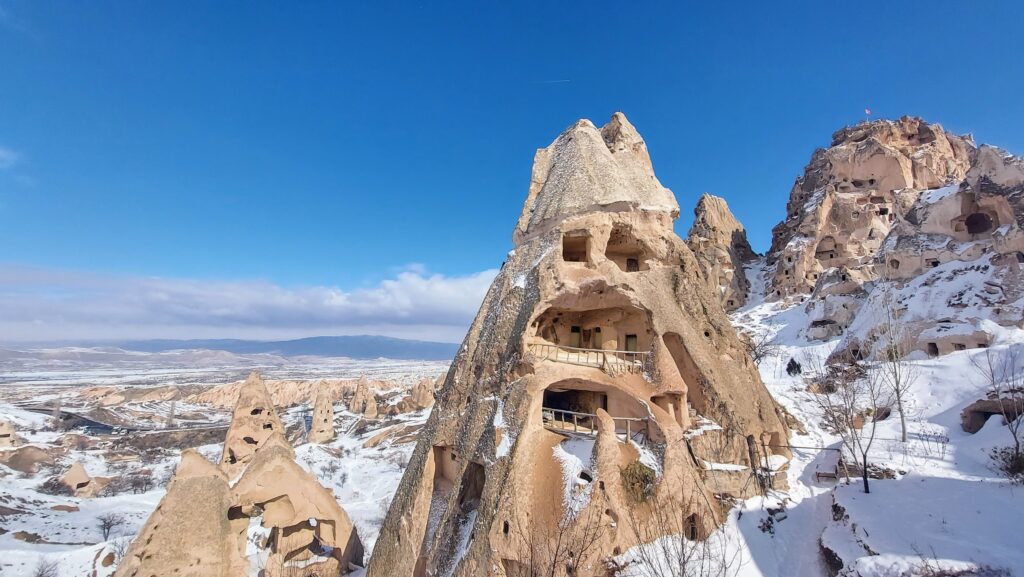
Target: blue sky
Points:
(337, 147)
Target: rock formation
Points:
(600, 380)
(301, 520)
(423, 394)
(8, 435)
(848, 199)
(720, 244)
(904, 217)
(253, 422)
(260, 515)
(323, 419)
(190, 533)
(363, 401)
(81, 483)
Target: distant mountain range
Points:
(355, 347)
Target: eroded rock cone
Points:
(304, 521)
(323, 419)
(273, 519)
(423, 394)
(600, 381)
(720, 244)
(363, 401)
(189, 534)
(81, 483)
(253, 421)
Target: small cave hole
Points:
(249, 440)
(978, 223)
(256, 411)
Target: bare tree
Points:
(46, 568)
(171, 415)
(893, 346)
(56, 415)
(760, 346)
(849, 400)
(108, 522)
(675, 544)
(1002, 372)
(562, 549)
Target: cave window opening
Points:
(978, 223)
(632, 265)
(256, 411)
(932, 263)
(575, 247)
(472, 487)
(691, 527)
(959, 347)
(625, 250)
(894, 264)
(505, 528)
(933, 349)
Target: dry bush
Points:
(638, 481)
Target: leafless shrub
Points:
(1002, 372)
(46, 568)
(562, 549)
(55, 486)
(676, 544)
(107, 522)
(930, 566)
(760, 347)
(851, 406)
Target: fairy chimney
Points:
(323, 418)
(189, 534)
(363, 401)
(254, 420)
(597, 336)
(305, 523)
(720, 244)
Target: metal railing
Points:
(609, 361)
(586, 423)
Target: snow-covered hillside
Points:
(947, 509)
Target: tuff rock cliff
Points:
(720, 244)
(600, 382)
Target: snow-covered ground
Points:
(39, 527)
(946, 509)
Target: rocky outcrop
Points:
(8, 435)
(190, 532)
(323, 419)
(598, 332)
(720, 244)
(851, 194)
(902, 216)
(363, 401)
(79, 482)
(253, 421)
(261, 514)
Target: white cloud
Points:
(48, 304)
(8, 158)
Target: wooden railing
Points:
(586, 423)
(609, 361)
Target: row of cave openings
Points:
(629, 253)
